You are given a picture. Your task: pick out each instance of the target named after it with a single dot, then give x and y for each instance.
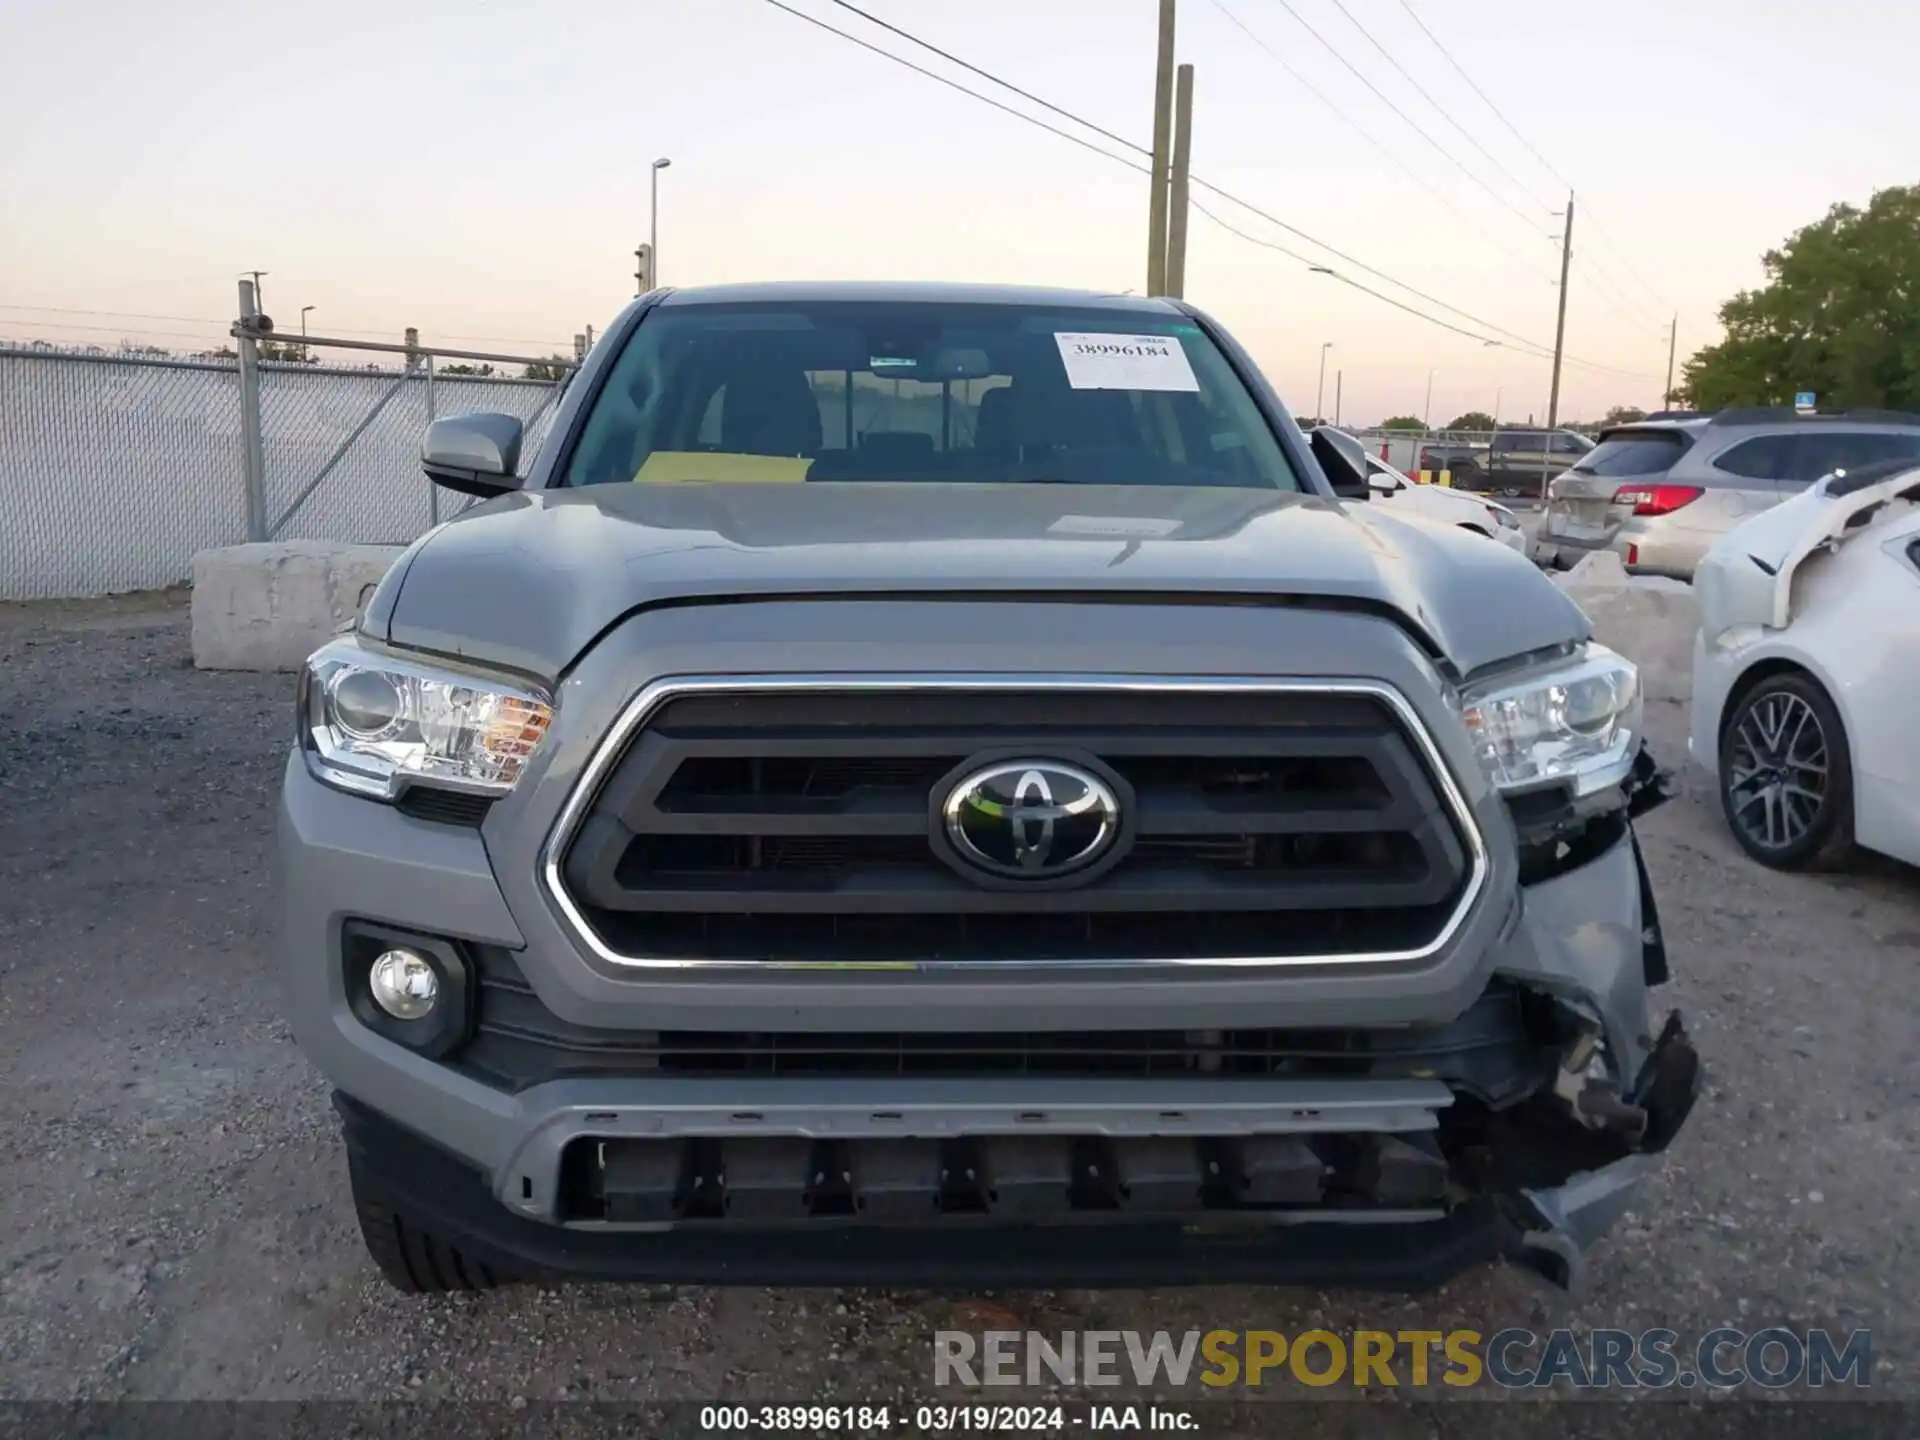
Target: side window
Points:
(1568, 445)
(1766, 457)
(1821, 455)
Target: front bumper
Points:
(486, 1165)
(1546, 1229)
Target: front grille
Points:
(1500, 1049)
(802, 827)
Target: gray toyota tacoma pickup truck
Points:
(947, 785)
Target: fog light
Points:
(403, 984)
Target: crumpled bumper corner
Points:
(1565, 1221)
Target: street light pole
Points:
(1673, 336)
(1426, 416)
(653, 217)
(1338, 376)
(1320, 394)
(303, 330)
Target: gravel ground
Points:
(177, 1223)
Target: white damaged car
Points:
(1806, 671)
(1445, 505)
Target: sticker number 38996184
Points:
(1125, 362)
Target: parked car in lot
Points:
(1806, 670)
(1659, 493)
(1449, 507)
(930, 785)
(1522, 462)
(1463, 463)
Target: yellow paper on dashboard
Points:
(669, 467)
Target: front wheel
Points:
(1786, 775)
(414, 1260)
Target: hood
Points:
(529, 580)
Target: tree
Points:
(1839, 315)
(554, 367)
(287, 354)
(1472, 420)
(1403, 422)
(1312, 422)
(1622, 415)
(465, 370)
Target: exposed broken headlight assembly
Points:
(1575, 722)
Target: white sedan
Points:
(1806, 671)
(1449, 507)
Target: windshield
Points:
(1634, 452)
(924, 392)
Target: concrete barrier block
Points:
(268, 607)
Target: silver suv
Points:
(941, 785)
(1659, 492)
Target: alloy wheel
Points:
(1778, 775)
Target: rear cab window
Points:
(924, 391)
(1633, 452)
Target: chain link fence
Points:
(341, 448)
(116, 469)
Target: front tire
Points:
(414, 1261)
(1786, 775)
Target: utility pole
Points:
(653, 220)
(1560, 327)
(1673, 336)
(1182, 153)
(1320, 392)
(1338, 376)
(1162, 139)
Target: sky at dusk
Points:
(479, 168)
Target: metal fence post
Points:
(433, 490)
(253, 453)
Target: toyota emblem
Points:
(1031, 819)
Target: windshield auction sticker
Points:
(1125, 362)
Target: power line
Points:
(1531, 221)
(973, 69)
(956, 85)
(1196, 181)
(1233, 229)
(1439, 109)
(1365, 134)
(1527, 144)
(1598, 271)
(115, 314)
(109, 329)
(1625, 299)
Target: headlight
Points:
(374, 724)
(1574, 721)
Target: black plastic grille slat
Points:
(443, 807)
(800, 828)
(1491, 1049)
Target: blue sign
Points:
(1803, 401)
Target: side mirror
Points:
(1381, 483)
(1344, 462)
(474, 454)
